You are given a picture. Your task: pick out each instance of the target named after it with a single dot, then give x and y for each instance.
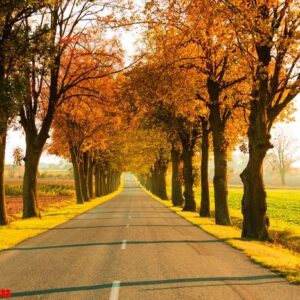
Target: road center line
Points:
(114, 293)
(124, 244)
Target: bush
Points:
(13, 189)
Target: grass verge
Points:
(273, 256)
(20, 230)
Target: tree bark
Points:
(104, 190)
(161, 170)
(177, 198)
(188, 177)
(32, 157)
(261, 118)
(254, 204)
(97, 181)
(220, 163)
(91, 177)
(108, 181)
(83, 180)
(74, 159)
(205, 202)
(148, 182)
(35, 141)
(3, 211)
(86, 167)
(153, 181)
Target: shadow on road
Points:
(156, 217)
(113, 244)
(103, 226)
(220, 284)
(129, 212)
(238, 280)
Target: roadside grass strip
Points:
(57, 214)
(271, 255)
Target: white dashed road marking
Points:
(114, 293)
(124, 244)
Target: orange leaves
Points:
(87, 115)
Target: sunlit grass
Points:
(283, 210)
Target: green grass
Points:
(283, 204)
(43, 189)
(283, 210)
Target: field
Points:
(43, 189)
(49, 192)
(283, 204)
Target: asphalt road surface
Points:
(132, 247)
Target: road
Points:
(132, 247)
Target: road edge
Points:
(277, 259)
(20, 230)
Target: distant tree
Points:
(18, 156)
(282, 155)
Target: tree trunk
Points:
(35, 141)
(3, 212)
(188, 177)
(79, 198)
(115, 181)
(118, 175)
(83, 181)
(103, 183)
(220, 163)
(161, 169)
(205, 202)
(177, 198)
(32, 157)
(153, 181)
(108, 181)
(90, 178)
(97, 181)
(254, 204)
(86, 167)
(148, 183)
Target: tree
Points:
(13, 50)
(205, 200)
(282, 154)
(56, 66)
(166, 98)
(268, 36)
(82, 129)
(176, 152)
(150, 143)
(203, 43)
